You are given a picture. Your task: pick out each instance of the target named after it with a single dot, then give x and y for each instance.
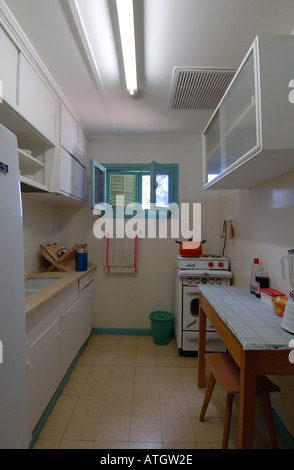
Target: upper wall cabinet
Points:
(72, 176)
(30, 107)
(8, 68)
(250, 137)
(72, 138)
(36, 101)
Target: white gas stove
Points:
(190, 273)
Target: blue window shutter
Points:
(167, 176)
(97, 185)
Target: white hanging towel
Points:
(121, 255)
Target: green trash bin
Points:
(161, 324)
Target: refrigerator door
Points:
(13, 395)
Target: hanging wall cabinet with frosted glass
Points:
(250, 136)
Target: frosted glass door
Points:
(233, 131)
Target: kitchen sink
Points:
(34, 285)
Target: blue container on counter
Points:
(81, 260)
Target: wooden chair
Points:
(225, 371)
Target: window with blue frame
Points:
(154, 186)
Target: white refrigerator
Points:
(13, 392)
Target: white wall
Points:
(125, 301)
(264, 228)
(40, 226)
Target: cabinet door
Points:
(42, 371)
(69, 131)
(97, 185)
(8, 68)
(68, 343)
(36, 101)
(80, 187)
(85, 314)
(233, 131)
(72, 176)
(83, 146)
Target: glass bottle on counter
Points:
(254, 271)
(261, 281)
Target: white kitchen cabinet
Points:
(69, 131)
(36, 101)
(68, 333)
(43, 376)
(72, 176)
(32, 170)
(35, 112)
(72, 137)
(8, 68)
(250, 138)
(83, 145)
(46, 345)
(86, 308)
(55, 332)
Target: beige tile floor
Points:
(126, 393)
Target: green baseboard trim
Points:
(122, 331)
(37, 430)
(281, 429)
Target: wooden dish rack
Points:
(64, 263)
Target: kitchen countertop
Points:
(253, 323)
(63, 281)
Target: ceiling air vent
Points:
(198, 88)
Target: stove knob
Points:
(189, 280)
(210, 264)
(196, 280)
(221, 264)
(218, 280)
(204, 280)
(211, 281)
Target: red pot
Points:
(191, 249)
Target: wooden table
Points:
(252, 333)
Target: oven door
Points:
(191, 310)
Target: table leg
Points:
(201, 348)
(247, 400)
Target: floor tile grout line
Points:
(160, 397)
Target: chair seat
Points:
(227, 374)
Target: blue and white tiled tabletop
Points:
(254, 324)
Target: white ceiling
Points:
(170, 33)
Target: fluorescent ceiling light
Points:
(127, 34)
